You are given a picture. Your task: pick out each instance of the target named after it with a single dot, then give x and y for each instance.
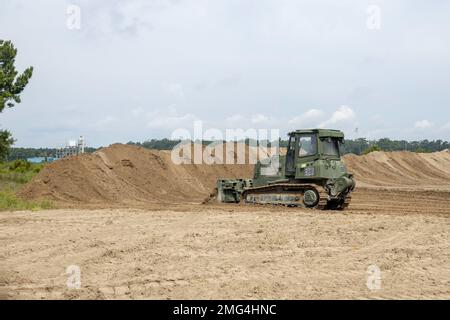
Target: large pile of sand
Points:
(401, 169)
(126, 174)
(129, 174)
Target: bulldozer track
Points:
(324, 203)
(289, 188)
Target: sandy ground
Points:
(194, 251)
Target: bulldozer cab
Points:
(309, 145)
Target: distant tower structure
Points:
(72, 148)
(81, 144)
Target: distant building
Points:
(72, 148)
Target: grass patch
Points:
(9, 201)
(13, 175)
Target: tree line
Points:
(357, 146)
(363, 145)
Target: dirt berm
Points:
(128, 174)
(401, 169)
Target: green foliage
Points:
(9, 201)
(20, 166)
(12, 176)
(163, 144)
(23, 166)
(11, 86)
(11, 83)
(422, 150)
(359, 145)
(16, 173)
(6, 142)
(372, 149)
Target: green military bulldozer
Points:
(310, 175)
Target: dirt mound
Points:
(401, 169)
(128, 174)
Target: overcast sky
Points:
(135, 70)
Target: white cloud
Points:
(115, 17)
(234, 120)
(239, 120)
(445, 127)
(259, 118)
(423, 124)
(242, 121)
(174, 89)
(309, 118)
(343, 115)
(105, 122)
(137, 111)
(379, 133)
(169, 119)
(377, 118)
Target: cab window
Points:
(307, 145)
(330, 147)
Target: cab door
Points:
(290, 157)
